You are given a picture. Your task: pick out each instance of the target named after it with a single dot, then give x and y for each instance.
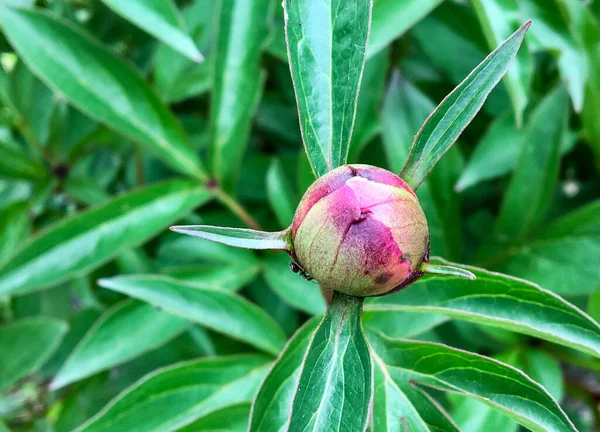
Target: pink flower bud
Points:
(360, 230)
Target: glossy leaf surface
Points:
(89, 239)
(216, 309)
(496, 300)
(335, 387)
(77, 66)
(162, 20)
(452, 116)
(506, 389)
(178, 395)
(122, 333)
(237, 84)
(238, 237)
(327, 44)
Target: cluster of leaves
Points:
(122, 117)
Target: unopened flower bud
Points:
(360, 230)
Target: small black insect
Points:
(297, 269)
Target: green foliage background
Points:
(111, 130)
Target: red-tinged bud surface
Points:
(360, 230)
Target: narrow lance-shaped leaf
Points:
(280, 194)
(238, 81)
(26, 346)
(392, 18)
(496, 300)
(502, 387)
(531, 189)
(327, 42)
(238, 237)
(335, 389)
(122, 333)
(216, 309)
(499, 20)
(451, 117)
(175, 396)
(89, 239)
(98, 83)
(161, 19)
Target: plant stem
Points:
(236, 208)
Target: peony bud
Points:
(360, 230)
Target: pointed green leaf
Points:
(501, 386)
(498, 20)
(532, 187)
(238, 82)
(474, 416)
(327, 44)
(495, 300)
(405, 109)
(218, 310)
(563, 257)
(173, 397)
(26, 346)
(391, 19)
(451, 117)
(87, 240)
(272, 404)
(15, 227)
(553, 33)
(367, 123)
(335, 388)
(162, 20)
(280, 194)
(122, 333)
(238, 237)
(98, 83)
(445, 270)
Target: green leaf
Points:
(87, 240)
(498, 20)
(532, 187)
(238, 237)
(394, 411)
(98, 83)
(551, 33)
(327, 44)
(474, 416)
(445, 270)
(235, 417)
(391, 19)
(367, 123)
(563, 257)
(496, 153)
(178, 395)
(280, 194)
(160, 19)
(216, 309)
(404, 110)
(17, 164)
(496, 300)
(496, 384)
(544, 369)
(335, 388)
(594, 305)
(15, 227)
(291, 287)
(451, 117)
(26, 346)
(272, 404)
(122, 333)
(238, 81)
(228, 278)
(176, 77)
